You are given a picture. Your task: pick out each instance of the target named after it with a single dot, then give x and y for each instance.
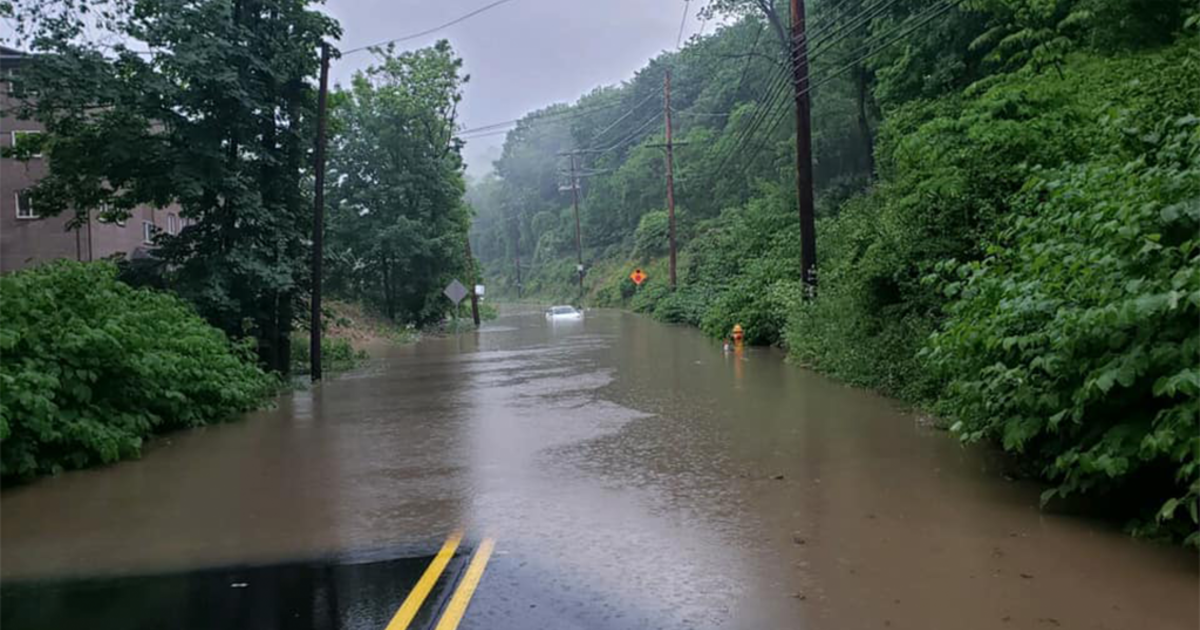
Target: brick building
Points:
(26, 238)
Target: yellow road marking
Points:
(417, 596)
(458, 604)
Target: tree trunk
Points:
(781, 31)
(284, 329)
(389, 303)
(864, 125)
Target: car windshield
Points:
(562, 310)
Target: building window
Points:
(103, 216)
(25, 205)
(172, 224)
(19, 137)
(148, 231)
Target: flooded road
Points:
(631, 474)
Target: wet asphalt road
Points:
(632, 476)
(325, 595)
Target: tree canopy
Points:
(397, 222)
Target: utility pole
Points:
(473, 278)
(578, 233)
(670, 173)
(314, 348)
(804, 168)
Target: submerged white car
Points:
(563, 313)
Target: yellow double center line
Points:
(462, 595)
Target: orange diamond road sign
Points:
(638, 276)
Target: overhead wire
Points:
(682, 21)
(634, 135)
(430, 31)
(835, 34)
(627, 114)
(746, 68)
(922, 18)
(577, 112)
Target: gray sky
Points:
(521, 55)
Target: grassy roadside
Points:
(352, 335)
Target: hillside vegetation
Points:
(1008, 201)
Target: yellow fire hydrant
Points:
(737, 334)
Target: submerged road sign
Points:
(455, 291)
(638, 276)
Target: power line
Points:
(769, 95)
(627, 114)
(746, 68)
(498, 128)
(682, 21)
(865, 16)
(623, 116)
(825, 44)
(929, 14)
(921, 18)
(701, 114)
(567, 114)
(483, 135)
(627, 139)
(430, 31)
(875, 11)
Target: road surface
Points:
(629, 474)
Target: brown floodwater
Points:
(625, 459)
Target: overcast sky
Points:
(522, 55)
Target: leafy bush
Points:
(488, 311)
(728, 272)
(949, 169)
(1075, 342)
(684, 306)
(858, 329)
(92, 367)
(650, 237)
(337, 354)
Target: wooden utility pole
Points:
(670, 174)
(578, 232)
(804, 168)
(473, 278)
(314, 348)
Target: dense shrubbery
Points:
(949, 170)
(1076, 341)
(336, 354)
(92, 367)
(739, 270)
(650, 237)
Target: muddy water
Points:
(633, 476)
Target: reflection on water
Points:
(630, 460)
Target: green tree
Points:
(216, 117)
(397, 221)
